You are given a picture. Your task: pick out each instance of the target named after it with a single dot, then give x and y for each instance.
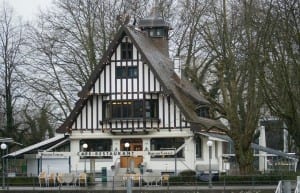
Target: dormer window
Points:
(156, 32)
(203, 112)
(126, 51)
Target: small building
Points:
(134, 97)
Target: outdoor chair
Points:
(136, 179)
(60, 179)
(51, 179)
(42, 179)
(82, 179)
(165, 179)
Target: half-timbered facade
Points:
(134, 96)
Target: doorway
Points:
(134, 145)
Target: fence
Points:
(250, 182)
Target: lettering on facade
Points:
(124, 153)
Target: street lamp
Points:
(209, 144)
(129, 190)
(3, 147)
(127, 145)
(85, 146)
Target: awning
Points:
(225, 138)
(36, 146)
(273, 151)
(215, 136)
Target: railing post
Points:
(287, 186)
(298, 185)
(113, 184)
(224, 183)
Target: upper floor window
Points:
(126, 51)
(126, 71)
(203, 112)
(130, 109)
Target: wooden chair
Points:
(82, 179)
(165, 179)
(51, 179)
(136, 179)
(60, 179)
(75, 178)
(42, 179)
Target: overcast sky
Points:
(28, 9)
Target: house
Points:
(135, 111)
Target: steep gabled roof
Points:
(185, 95)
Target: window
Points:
(126, 51)
(156, 32)
(167, 144)
(126, 71)
(63, 148)
(198, 147)
(203, 112)
(97, 145)
(130, 109)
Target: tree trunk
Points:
(244, 156)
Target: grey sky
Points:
(28, 9)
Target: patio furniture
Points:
(82, 179)
(60, 179)
(51, 179)
(42, 178)
(68, 178)
(165, 179)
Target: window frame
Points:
(198, 147)
(129, 109)
(126, 72)
(126, 50)
(167, 143)
(94, 144)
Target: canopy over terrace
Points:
(45, 145)
(273, 152)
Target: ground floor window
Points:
(198, 142)
(167, 144)
(96, 145)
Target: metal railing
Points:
(153, 181)
(297, 187)
(279, 187)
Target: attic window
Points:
(126, 51)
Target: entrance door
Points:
(134, 145)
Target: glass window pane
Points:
(132, 71)
(116, 110)
(138, 109)
(126, 50)
(198, 147)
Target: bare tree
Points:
(11, 42)
(68, 43)
(224, 58)
(281, 77)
